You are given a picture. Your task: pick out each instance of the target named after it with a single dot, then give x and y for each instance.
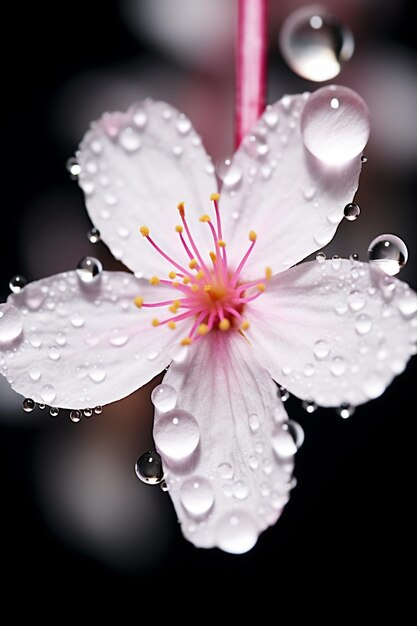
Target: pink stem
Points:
(250, 65)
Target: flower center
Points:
(211, 294)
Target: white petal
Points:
(227, 482)
(284, 194)
(85, 345)
(334, 332)
(136, 167)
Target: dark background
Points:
(348, 524)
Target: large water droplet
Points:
(373, 386)
(283, 443)
(389, 253)
(89, 270)
(130, 140)
(197, 496)
(351, 211)
(240, 490)
(335, 124)
(28, 405)
(17, 283)
(236, 532)
(93, 235)
(11, 323)
(315, 44)
(149, 468)
(164, 397)
(232, 175)
(118, 338)
(356, 300)
(177, 434)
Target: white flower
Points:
(228, 314)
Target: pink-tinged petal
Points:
(135, 169)
(334, 332)
(82, 345)
(277, 188)
(226, 448)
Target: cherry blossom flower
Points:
(216, 296)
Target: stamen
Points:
(245, 325)
(224, 324)
(154, 280)
(268, 273)
(138, 301)
(155, 322)
(192, 264)
(203, 329)
(172, 325)
(172, 275)
(187, 341)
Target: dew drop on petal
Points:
(130, 140)
(73, 167)
(93, 235)
(75, 416)
(283, 443)
(54, 353)
(118, 338)
(338, 366)
(54, 411)
(271, 117)
(89, 270)
(140, 118)
(183, 124)
(48, 394)
(356, 300)
(351, 211)
(320, 257)
(296, 431)
(283, 393)
(236, 532)
(363, 324)
(28, 405)
(88, 412)
(345, 410)
(177, 434)
(77, 320)
(253, 423)
(97, 374)
(389, 253)
(315, 44)
(98, 410)
(17, 283)
(309, 406)
(179, 353)
(321, 349)
(149, 468)
(373, 386)
(240, 490)
(11, 323)
(164, 397)
(197, 495)
(335, 124)
(231, 176)
(225, 471)
(407, 304)
(34, 373)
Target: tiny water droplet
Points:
(230, 173)
(48, 394)
(236, 532)
(354, 257)
(77, 320)
(93, 235)
(73, 167)
(148, 468)
(118, 338)
(338, 366)
(321, 349)
(98, 410)
(389, 253)
(60, 339)
(140, 118)
(54, 354)
(363, 324)
(34, 373)
(164, 397)
(28, 405)
(130, 140)
(271, 117)
(11, 323)
(164, 487)
(309, 193)
(364, 159)
(177, 151)
(179, 353)
(315, 44)
(253, 423)
(41, 406)
(320, 257)
(284, 394)
(177, 434)
(309, 406)
(88, 412)
(75, 416)
(283, 443)
(54, 411)
(335, 124)
(17, 283)
(89, 270)
(309, 370)
(345, 410)
(87, 186)
(197, 495)
(356, 300)
(240, 490)
(183, 124)
(152, 355)
(351, 211)
(225, 471)
(407, 303)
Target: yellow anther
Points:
(155, 322)
(178, 229)
(172, 325)
(192, 264)
(203, 329)
(245, 325)
(215, 197)
(194, 287)
(177, 303)
(224, 324)
(175, 283)
(154, 280)
(268, 273)
(205, 218)
(181, 208)
(144, 231)
(199, 275)
(138, 301)
(261, 287)
(186, 280)
(208, 288)
(222, 243)
(172, 275)
(252, 235)
(173, 308)
(187, 341)
(213, 257)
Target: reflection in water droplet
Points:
(389, 253)
(77, 320)
(11, 323)
(54, 411)
(283, 443)
(296, 431)
(225, 471)
(54, 354)
(230, 173)
(88, 412)
(149, 468)
(93, 235)
(309, 406)
(17, 283)
(164, 397)
(130, 140)
(236, 532)
(73, 167)
(75, 416)
(351, 211)
(284, 394)
(98, 410)
(183, 124)
(89, 270)
(356, 300)
(335, 124)
(320, 257)
(315, 44)
(345, 410)
(321, 349)
(28, 405)
(196, 495)
(177, 434)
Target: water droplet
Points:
(335, 124)
(253, 423)
(389, 253)
(60, 339)
(98, 410)
(321, 349)
(225, 471)
(230, 173)
(54, 354)
(315, 44)
(164, 397)
(236, 532)
(320, 257)
(283, 443)
(345, 410)
(17, 283)
(77, 320)
(354, 257)
(271, 117)
(130, 140)
(140, 118)
(240, 490)
(336, 262)
(87, 186)
(296, 431)
(338, 366)
(88, 412)
(351, 211)
(35, 342)
(177, 151)
(97, 374)
(253, 463)
(309, 370)
(54, 411)
(11, 323)
(28, 405)
(309, 406)
(179, 353)
(34, 373)
(48, 394)
(197, 496)
(363, 324)
(284, 394)
(164, 486)
(73, 167)
(177, 434)
(75, 416)
(364, 159)
(41, 406)
(118, 338)
(356, 300)
(407, 303)
(309, 193)
(183, 124)
(93, 235)
(149, 468)
(89, 270)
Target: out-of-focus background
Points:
(71, 503)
